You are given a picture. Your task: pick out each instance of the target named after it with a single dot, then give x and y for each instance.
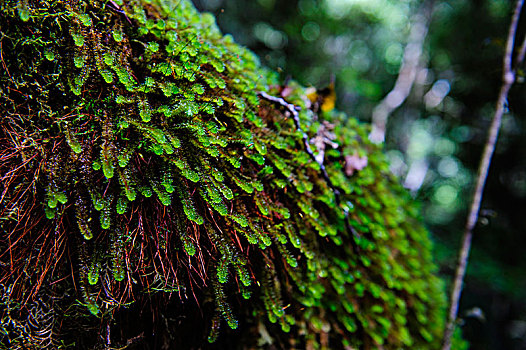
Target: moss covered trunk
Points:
(159, 189)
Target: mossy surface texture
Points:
(151, 198)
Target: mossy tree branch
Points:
(149, 194)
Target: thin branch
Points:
(522, 52)
(293, 110)
(508, 78)
(406, 75)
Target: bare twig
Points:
(508, 78)
(406, 75)
(522, 51)
(293, 110)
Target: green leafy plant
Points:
(141, 170)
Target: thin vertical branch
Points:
(508, 78)
(522, 51)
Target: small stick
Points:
(337, 195)
(508, 78)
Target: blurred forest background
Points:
(451, 52)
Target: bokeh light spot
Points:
(448, 167)
(310, 31)
(446, 195)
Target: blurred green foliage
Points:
(435, 139)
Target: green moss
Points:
(143, 168)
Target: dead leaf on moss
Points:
(353, 163)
